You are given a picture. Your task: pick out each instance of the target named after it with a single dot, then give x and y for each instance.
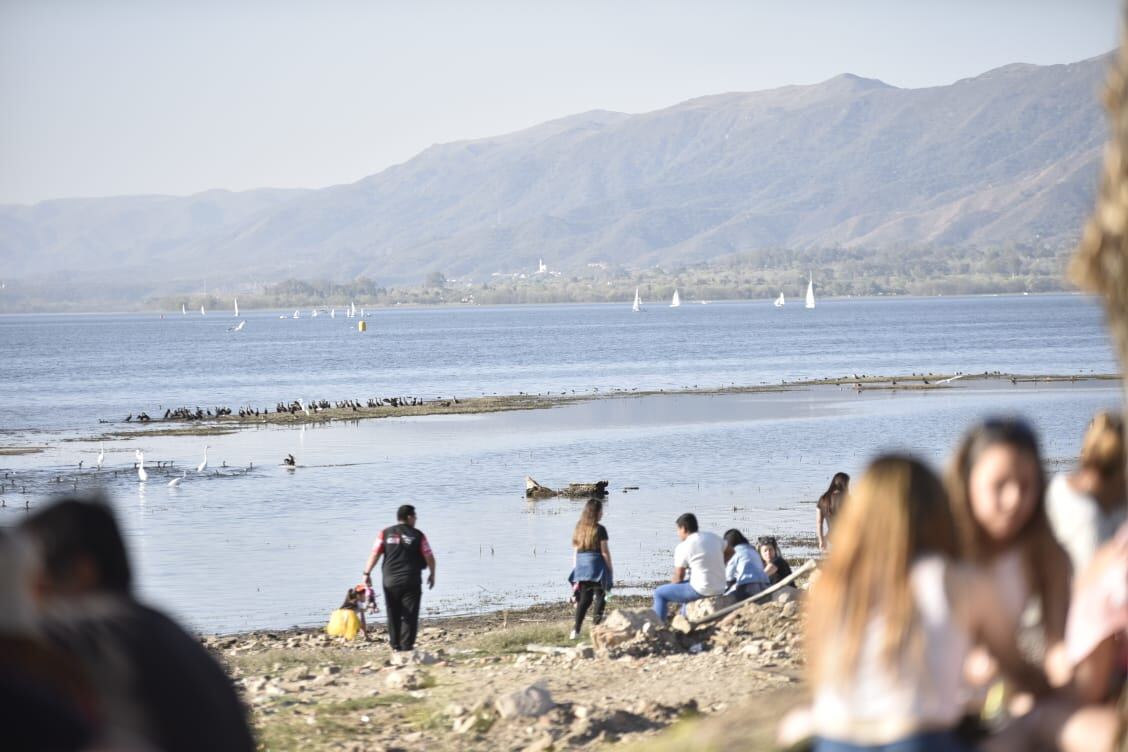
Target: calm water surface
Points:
(271, 547)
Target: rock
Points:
(298, 673)
(681, 624)
(585, 652)
(530, 702)
(622, 626)
(786, 595)
(789, 610)
(702, 607)
(543, 743)
(404, 679)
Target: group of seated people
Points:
(987, 610)
(706, 565)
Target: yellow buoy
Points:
(362, 326)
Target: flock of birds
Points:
(189, 414)
(143, 474)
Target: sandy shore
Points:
(474, 405)
(312, 692)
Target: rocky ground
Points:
(514, 681)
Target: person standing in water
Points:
(828, 507)
(406, 554)
(591, 565)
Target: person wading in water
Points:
(406, 554)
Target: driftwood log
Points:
(534, 490)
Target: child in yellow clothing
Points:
(346, 621)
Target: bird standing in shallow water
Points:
(141, 474)
(101, 456)
(203, 465)
(176, 481)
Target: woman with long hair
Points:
(828, 507)
(1087, 506)
(996, 489)
(893, 617)
(744, 572)
(591, 565)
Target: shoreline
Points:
(306, 690)
(286, 308)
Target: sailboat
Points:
(637, 302)
(810, 292)
(780, 302)
(183, 310)
(236, 308)
(297, 314)
(332, 313)
(676, 302)
(202, 311)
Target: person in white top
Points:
(702, 554)
(893, 618)
(1085, 508)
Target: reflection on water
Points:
(253, 544)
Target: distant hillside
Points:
(1006, 159)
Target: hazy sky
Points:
(110, 97)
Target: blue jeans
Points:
(933, 741)
(673, 592)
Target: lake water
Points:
(271, 547)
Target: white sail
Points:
(780, 302)
(297, 314)
(637, 302)
(676, 302)
(332, 313)
(183, 310)
(236, 308)
(810, 292)
(202, 311)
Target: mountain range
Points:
(1006, 158)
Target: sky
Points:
(125, 97)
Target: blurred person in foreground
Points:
(996, 488)
(157, 687)
(46, 704)
(895, 615)
(1087, 506)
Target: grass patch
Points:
(263, 663)
(367, 703)
(514, 639)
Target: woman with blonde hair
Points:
(894, 616)
(591, 565)
(1087, 506)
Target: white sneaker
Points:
(574, 635)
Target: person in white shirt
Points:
(1085, 508)
(702, 554)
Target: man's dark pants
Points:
(403, 614)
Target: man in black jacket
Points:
(406, 554)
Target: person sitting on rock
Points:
(702, 553)
(744, 572)
(775, 566)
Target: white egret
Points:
(141, 474)
(176, 481)
(303, 407)
(101, 455)
(203, 465)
